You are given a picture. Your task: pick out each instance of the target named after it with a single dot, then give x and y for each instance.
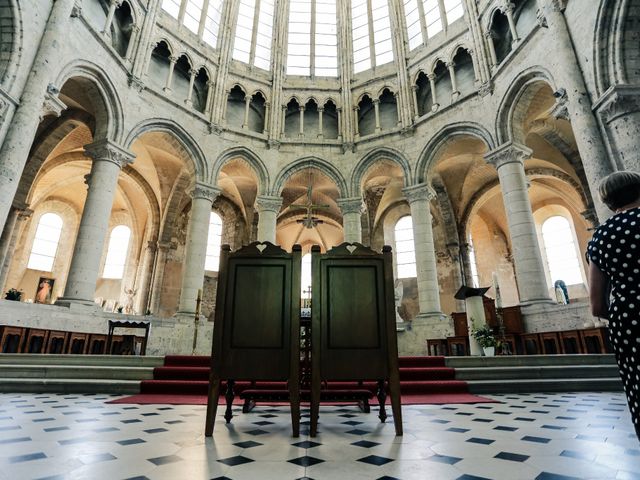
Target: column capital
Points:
(618, 101)
(109, 151)
(489, 34)
(507, 7)
(419, 192)
(164, 246)
(509, 152)
(151, 246)
(173, 59)
(192, 72)
(451, 64)
(268, 203)
(52, 105)
(205, 191)
(431, 76)
(350, 205)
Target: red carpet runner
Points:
(184, 380)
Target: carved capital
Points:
(272, 143)
(485, 89)
(507, 7)
(268, 203)
(163, 247)
(508, 153)
(421, 192)
(215, 128)
(348, 147)
(136, 82)
(151, 247)
(591, 216)
(451, 65)
(173, 59)
(52, 105)
(561, 109)
(205, 191)
(109, 151)
(24, 214)
(618, 101)
(76, 12)
(541, 19)
(489, 34)
(350, 205)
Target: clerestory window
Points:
(202, 17)
(426, 18)
(45, 243)
(371, 26)
(254, 32)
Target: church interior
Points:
(137, 137)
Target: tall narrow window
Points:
(117, 252)
(299, 46)
(190, 12)
(212, 22)
(453, 10)
(305, 277)
(214, 240)
(405, 248)
(561, 251)
(475, 278)
(254, 31)
(371, 26)
(414, 29)
(432, 17)
(172, 7)
(45, 243)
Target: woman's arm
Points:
(598, 292)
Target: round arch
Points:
(372, 157)
(310, 162)
(250, 157)
(14, 30)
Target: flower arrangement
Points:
(13, 294)
(484, 335)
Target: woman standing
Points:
(614, 276)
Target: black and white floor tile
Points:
(537, 436)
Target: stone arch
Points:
(372, 157)
(11, 32)
(310, 162)
(513, 97)
(109, 113)
(149, 194)
(251, 158)
(429, 154)
(196, 158)
(175, 204)
(434, 63)
(383, 88)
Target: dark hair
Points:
(619, 189)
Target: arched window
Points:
(252, 42)
(405, 248)
(562, 257)
(214, 241)
(475, 278)
(117, 252)
(305, 277)
(45, 243)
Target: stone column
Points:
(492, 48)
(247, 106)
(434, 97)
(265, 126)
(509, 161)
(414, 88)
(133, 38)
(21, 132)
(465, 254)
(351, 224)
(207, 108)
(301, 132)
(192, 80)
(108, 159)
(158, 277)
(144, 283)
(320, 125)
(454, 84)
(268, 208)
(113, 5)
(419, 198)
(376, 109)
(284, 121)
(9, 239)
(356, 127)
(619, 110)
(172, 65)
(202, 196)
(508, 11)
(398, 109)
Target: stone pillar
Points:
(320, 125)
(434, 97)
(492, 48)
(265, 126)
(356, 126)
(133, 38)
(247, 106)
(268, 208)
(158, 277)
(284, 121)
(414, 88)
(9, 239)
(108, 159)
(172, 65)
(113, 5)
(454, 84)
(202, 196)
(351, 223)
(465, 257)
(301, 132)
(144, 284)
(398, 109)
(208, 106)
(192, 80)
(508, 11)
(376, 109)
(419, 197)
(619, 110)
(509, 161)
(21, 132)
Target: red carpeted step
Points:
(443, 386)
(178, 387)
(432, 373)
(187, 361)
(181, 373)
(421, 362)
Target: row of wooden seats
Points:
(591, 340)
(36, 340)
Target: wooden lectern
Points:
(256, 334)
(353, 324)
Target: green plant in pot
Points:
(485, 338)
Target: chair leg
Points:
(382, 399)
(294, 400)
(314, 409)
(229, 395)
(396, 406)
(212, 406)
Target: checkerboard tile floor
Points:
(537, 436)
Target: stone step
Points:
(530, 360)
(73, 372)
(546, 385)
(533, 372)
(80, 360)
(69, 385)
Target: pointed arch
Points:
(250, 157)
(310, 162)
(372, 157)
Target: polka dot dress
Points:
(615, 249)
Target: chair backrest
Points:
(257, 315)
(353, 313)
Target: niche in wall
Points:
(443, 84)
(292, 119)
(311, 120)
(423, 94)
(330, 120)
(465, 75)
(159, 65)
(501, 35)
(121, 28)
(366, 116)
(257, 111)
(388, 110)
(200, 91)
(235, 107)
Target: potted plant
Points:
(13, 294)
(486, 339)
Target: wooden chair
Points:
(36, 341)
(129, 347)
(77, 343)
(530, 344)
(550, 343)
(56, 342)
(571, 342)
(353, 326)
(437, 347)
(595, 340)
(458, 346)
(11, 339)
(97, 344)
(256, 333)
(510, 345)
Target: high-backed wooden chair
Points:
(36, 341)
(256, 331)
(353, 324)
(11, 339)
(77, 343)
(97, 344)
(56, 342)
